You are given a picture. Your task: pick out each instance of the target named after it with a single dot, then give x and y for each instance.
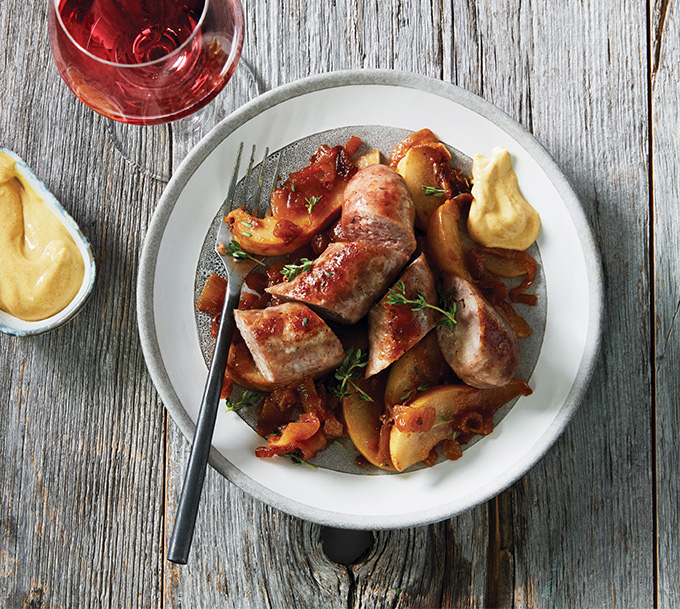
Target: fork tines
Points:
(257, 203)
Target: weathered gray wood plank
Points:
(665, 92)
(585, 513)
(90, 467)
(81, 435)
(245, 554)
(441, 565)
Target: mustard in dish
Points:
(500, 216)
(41, 267)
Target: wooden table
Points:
(91, 464)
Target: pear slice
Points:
(448, 402)
(362, 418)
(417, 169)
(370, 158)
(423, 364)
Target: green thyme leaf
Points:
(348, 371)
(405, 396)
(397, 297)
(310, 202)
(248, 398)
(235, 250)
(291, 270)
(434, 191)
(298, 461)
(363, 396)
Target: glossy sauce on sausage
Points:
(378, 208)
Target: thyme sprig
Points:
(350, 370)
(409, 392)
(310, 202)
(248, 398)
(434, 191)
(291, 270)
(235, 250)
(397, 296)
(406, 395)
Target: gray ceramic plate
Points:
(379, 106)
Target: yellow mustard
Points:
(41, 268)
(500, 216)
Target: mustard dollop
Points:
(41, 268)
(500, 216)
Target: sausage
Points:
(394, 329)
(344, 281)
(378, 208)
(289, 342)
(483, 349)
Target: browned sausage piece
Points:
(394, 329)
(378, 208)
(345, 280)
(289, 342)
(483, 350)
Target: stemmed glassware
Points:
(146, 62)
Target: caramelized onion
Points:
(383, 455)
(211, 299)
(452, 449)
(516, 321)
(431, 459)
(490, 263)
(410, 418)
(352, 145)
(227, 387)
(475, 423)
(301, 436)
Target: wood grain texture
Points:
(586, 509)
(90, 464)
(244, 553)
(81, 435)
(665, 92)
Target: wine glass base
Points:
(243, 86)
(145, 147)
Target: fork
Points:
(237, 268)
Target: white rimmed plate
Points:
(573, 294)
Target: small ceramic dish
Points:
(9, 324)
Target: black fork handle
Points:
(185, 521)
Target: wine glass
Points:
(146, 62)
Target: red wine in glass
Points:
(146, 61)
